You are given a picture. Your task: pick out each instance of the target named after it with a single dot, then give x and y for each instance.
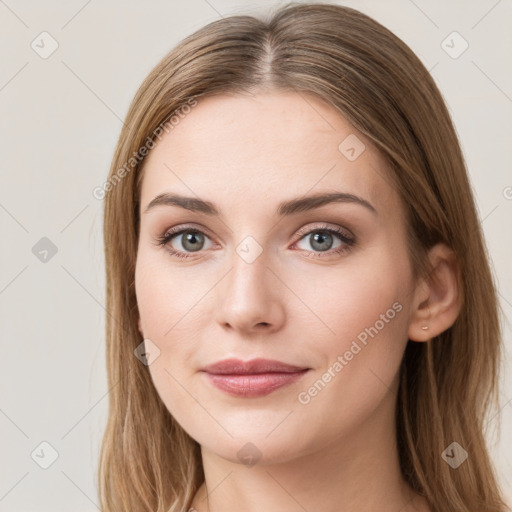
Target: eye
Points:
(190, 239)
(323, 239)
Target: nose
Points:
(251, 297)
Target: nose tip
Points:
(249, 299)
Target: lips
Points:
(251, 379)
(255, 366)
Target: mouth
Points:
(255, 378)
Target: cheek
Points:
(366, 308)
(343, 301)
(363, 307)
(167, 297)
(169, 304)
(167, 370)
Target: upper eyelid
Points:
(172, 232)
(325, 226)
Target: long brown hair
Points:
(148, 462)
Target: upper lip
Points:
(239, 367)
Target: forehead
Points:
(269, 146)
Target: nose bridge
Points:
(249, 275)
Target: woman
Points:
(332, 340)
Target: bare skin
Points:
(296, 302)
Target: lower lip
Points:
(253, 385)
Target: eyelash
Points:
(348, 243)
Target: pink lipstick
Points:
(254, 378)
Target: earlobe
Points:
(140, 327)
(437, 298)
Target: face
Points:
(320, 285)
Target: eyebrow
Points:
(289, 207)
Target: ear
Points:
(437, 297)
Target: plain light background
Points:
(60, 119)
